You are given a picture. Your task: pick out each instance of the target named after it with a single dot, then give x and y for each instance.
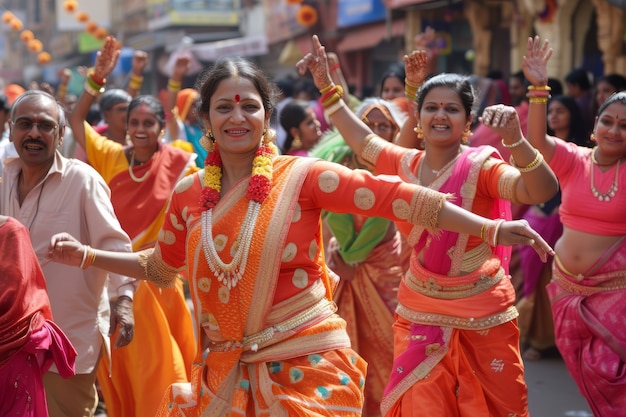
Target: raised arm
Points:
(537, 183)
(416, 70)
(353, 130)
(139, 62)
(106, 59)
(535, 70)
(181, 67)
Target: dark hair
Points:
(576, 130)
(459, 83)
(579, 77)
(613, 98)
(285, 85)
(556, 87)
(152, 103)
(38, 93)
(394, 71)
(4, 103)
(113, 97)
(618, 81)
(240, 67)
(520, 76)
(291, 115)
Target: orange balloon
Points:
(35, 45)
(7, 17)
(70, 5)
(44, 58)
(16, 24)
(82, 17)
(91, 27)
(27, 35)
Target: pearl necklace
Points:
(130, 169)
(231, 273)
(605, 197)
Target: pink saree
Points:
(590, 329)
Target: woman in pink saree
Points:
(589, 271)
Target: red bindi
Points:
(237, 98)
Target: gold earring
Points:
(592, 137)
(268, 136)
(467, 133)
(128, 141)
(297, 142)
(419, 132)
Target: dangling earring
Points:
(268, 136)
(297, 143)
(419, 132)
(127, 138)
(207, 140)
(467, 133)
(592, 137)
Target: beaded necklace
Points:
(259, 187)
(614, 186)
(130, 169)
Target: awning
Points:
(245, 46)
(369, 36)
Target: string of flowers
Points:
(260, 181)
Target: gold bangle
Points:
(92, 91)
(530, 167)
(411, 84)
(483, 231)
(538, 100)
(173, 86)
(513, 145)
(327, 88)
(539, 87)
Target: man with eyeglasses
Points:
(50, 194)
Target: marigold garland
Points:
(44, 58)
(70, 6)
(259, 185)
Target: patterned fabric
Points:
(455, 314)
(262, 359)
(589, 331)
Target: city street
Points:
(552, 392)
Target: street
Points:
(552, 391)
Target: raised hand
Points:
(535, 63)
(503, 120)
(139, 62)
(317, 63)
(107, 58)
(416, 66)
(423, 39)
(181, 67)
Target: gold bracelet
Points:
(538, 100)
(483, 231)
(327, 88)
(412, 85)
(530, 167)
(539, 87)
(513, 145)
(92, 91)
(173, 86)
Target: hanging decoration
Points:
(27, 36)
(307, 15)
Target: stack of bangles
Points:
(89, 257)
(410, 89)
(538, 94)
(136, 81)
(94, 87)
(489, 231)
(173, 86)
(332, 99)
(530, 167)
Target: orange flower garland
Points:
(82, 17)
(70, 6)
(7, 17)
(44, 58)
(16, 24)
(307, 15)
(27, 36)
(35, 45)
(292, 2)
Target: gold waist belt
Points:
(457, 322)
(314, 314)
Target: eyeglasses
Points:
(25, 125)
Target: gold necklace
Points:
(437, 172)
(614, 187)
(130, 169)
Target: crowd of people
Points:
(390, 255)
